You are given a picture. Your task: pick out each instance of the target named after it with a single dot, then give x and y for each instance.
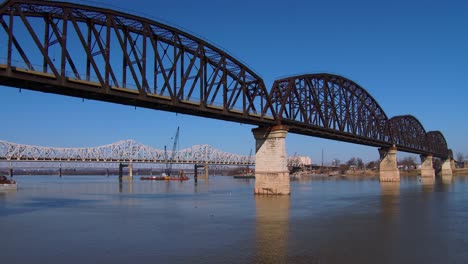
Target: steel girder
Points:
(107, 55)
(329, 106)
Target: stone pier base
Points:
(427, 170)
(447, 168)
(388, 169)
(271, 171)
(447, 171)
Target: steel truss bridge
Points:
(121, 151)
(107, 55)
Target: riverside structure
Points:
(165, 68)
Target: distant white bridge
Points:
(121, 151)
(127, 151)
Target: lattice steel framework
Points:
(329, 106)
(408, 134)
(107, 55)
(438, 145)
(122, 151)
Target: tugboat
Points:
(7, 184)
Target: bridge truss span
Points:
(121, 151)
(102, 54)
(407, 133)
(107, 55)
(438, 145)
(329, 106)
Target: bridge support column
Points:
(427, 170)
(271, 171)
(130, 171)
(206, 171)
(447, 174)
(388, 169)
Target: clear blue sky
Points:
(411, 56)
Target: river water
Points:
(93, 219)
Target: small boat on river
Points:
(246, 174)
(165, 177)
(7, 184)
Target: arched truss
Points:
(450, 154)
(437, 144)
(121, 151)
(329, 106)
(407, 133)
(102, 54)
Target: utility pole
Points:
(321, 167)
(322, 158)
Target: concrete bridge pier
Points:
(447, 174)
(447, 168)
(271, 170)
(207, 175)
(452, 164)
(130, 171)
(427, 170)
(388, 169)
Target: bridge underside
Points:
(37, 82)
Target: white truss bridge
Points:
(121, 151)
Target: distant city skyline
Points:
(411, 56)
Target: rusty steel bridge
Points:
(107, 55)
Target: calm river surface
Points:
(91, 219)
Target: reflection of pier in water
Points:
(272, 228)
(447, 179)
(390, 200)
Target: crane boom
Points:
(250, 158)
(173, 153)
